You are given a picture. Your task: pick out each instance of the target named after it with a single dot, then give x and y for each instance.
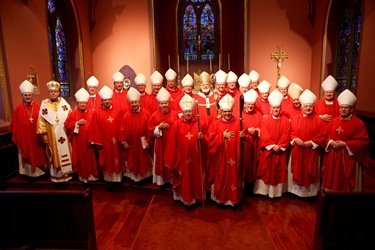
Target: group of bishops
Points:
(235, 130)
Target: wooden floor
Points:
(146, 217)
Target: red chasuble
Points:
(120, 102)
(152, 104)
(290, 111)
(338, 170)
(263, 106)
(207, 108)
(143, 99)
(105, 131)
(94, 102)
(160, 141)
(272, 165)
(83, 156)
(321, 108)
(304, 165)
(187, 161)
(133, 128)
(174, 92)
(224, 160)
(23, 127)
(251, 145)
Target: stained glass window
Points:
(198, 39)
(58, 50)
(348, 47)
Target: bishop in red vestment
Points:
(172, 88)
(274, 140)
(141, 80)
(251, 123)
(282, 85)
(187, 89)
(156, 80)
(105, 132)
(188, 160)
(223, 142)
(348, 146)
(159, 127)
(119, 100)
(94, 101)
(77, 126)
(31, 159)
(327, 108)
(263, 106)
(138, 164)
(308, 138)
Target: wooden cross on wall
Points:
(279, 57)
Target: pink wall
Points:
(26, 44)
(366, 76)
(276, 22)
(121, 37)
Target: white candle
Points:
(228, 62)
(178, 63)
(219, 61)
(169, 62)
(187, 64)
(210, 63)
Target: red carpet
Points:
(168, 225)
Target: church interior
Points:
(305, 40)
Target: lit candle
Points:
(228, 62)
(187, 63)
(210, 63)
(219, 61)
(178, 63)
(169, 61)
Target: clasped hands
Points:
(302, 144)
(337, 144)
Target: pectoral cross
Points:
(189, 136)
(279, 57)
(110, 119)
(57, 120)
(339, 130)
(231, 162)
(31, 119)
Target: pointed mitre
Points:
(53, 85)
(307, 97)
(140, 79)
(264, 86)
(133, 95)
(329, 84)
(118, 77)
(275, 98)
(156, 78)
(82, 95)
(250, 96)
(187, 80)
(244, 80)
(221, 76)
(231, 77)
(26, 86)
(227, 102)
(170, 74)
(163, 95)
(187, 103)
(283, 82)
(346, 98)
(92, 82)
(105, 93)
(254, 76)
(294, 90)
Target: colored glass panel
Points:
(207, 33)
(51, 6)
(189, 33)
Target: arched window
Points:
(58, 48)
(198, 22)
(347, 45)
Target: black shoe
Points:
(292, 196)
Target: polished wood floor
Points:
(146, 217)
